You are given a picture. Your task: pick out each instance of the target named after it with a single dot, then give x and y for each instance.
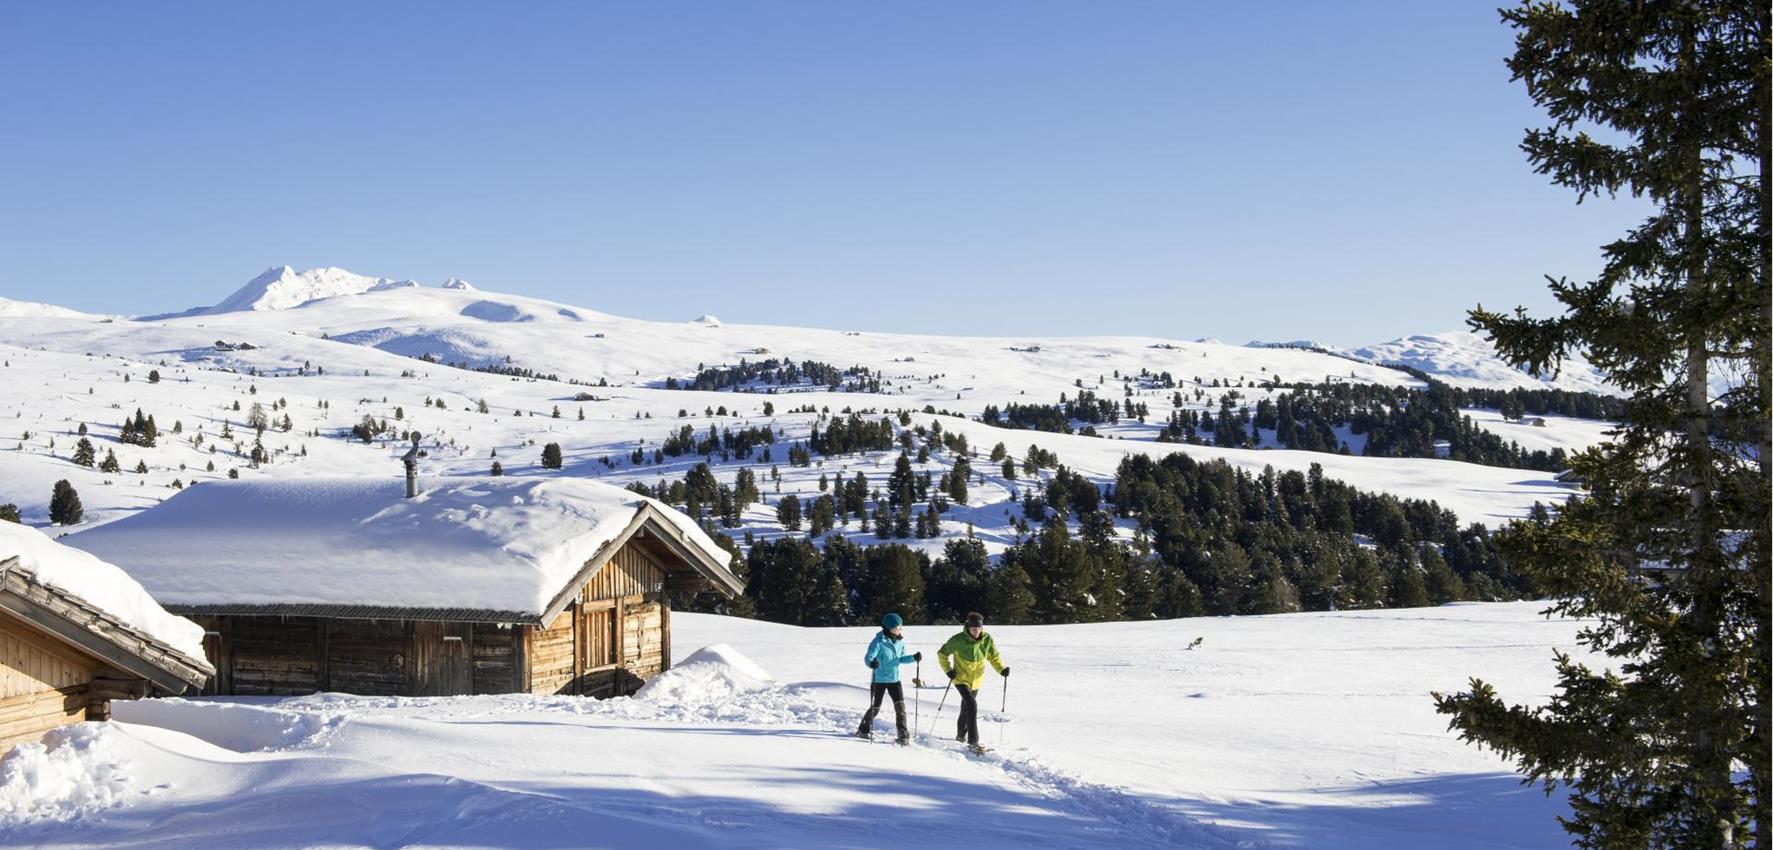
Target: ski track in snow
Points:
(796, 705)
(306, 727)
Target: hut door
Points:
(440, 652)
(597, 652)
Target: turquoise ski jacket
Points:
(890, 652)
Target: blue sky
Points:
(1346, 172)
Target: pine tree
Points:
(110, 464)
(551, 456)
(497, 469)
(895, 582)
(64, 504)
(1008, 598)
(9, 513)
(1666, 559)
(83, 452)
(788, 512)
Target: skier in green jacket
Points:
(963, 658)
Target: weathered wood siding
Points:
(549, 653)
(275, 655)
(643, 643)
(368, 657)
(494, 656)
(42, 685)
(613, 636)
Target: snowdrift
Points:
(72, 772)
(712, 674)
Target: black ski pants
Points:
(878, 689)
(969, 714)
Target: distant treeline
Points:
(1169, 538)
(780, 373)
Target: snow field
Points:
(1306, 730)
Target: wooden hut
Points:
(65, 655)
(474, 586)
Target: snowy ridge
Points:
(10, 309)
(1465, 359)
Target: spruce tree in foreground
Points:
(1667, 559)
(551, 456)
(64, 504)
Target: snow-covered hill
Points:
(323, 349)
(10, 309)
(1465, 359)
(1292, 731)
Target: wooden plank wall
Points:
(495, 658)
(614, 635)
(274, 655)
(42, 684)
(550, 656)
(300, 655)
(367, 657)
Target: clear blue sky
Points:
(1342, 171)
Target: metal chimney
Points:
(411, 460)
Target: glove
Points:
(950, 673)
(1006, 672)
(873, 665)
(917, 656)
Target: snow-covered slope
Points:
(1293, 731)
(1465, 359)
(326, 363)
(10, 309)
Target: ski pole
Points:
(938, 717)
(917, 701)
(1001, 706)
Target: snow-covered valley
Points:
(1305, 730)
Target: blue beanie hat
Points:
(891, 621)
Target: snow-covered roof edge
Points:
(73, 619)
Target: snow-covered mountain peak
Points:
(282, 287)
(458, 283)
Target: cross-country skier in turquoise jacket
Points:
(886, 653)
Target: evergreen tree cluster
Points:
(1087, 408)
(774, 374)
(724, 441)
(1396, 421)
(139, 430)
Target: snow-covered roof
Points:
(502, 548)
(97, 584)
